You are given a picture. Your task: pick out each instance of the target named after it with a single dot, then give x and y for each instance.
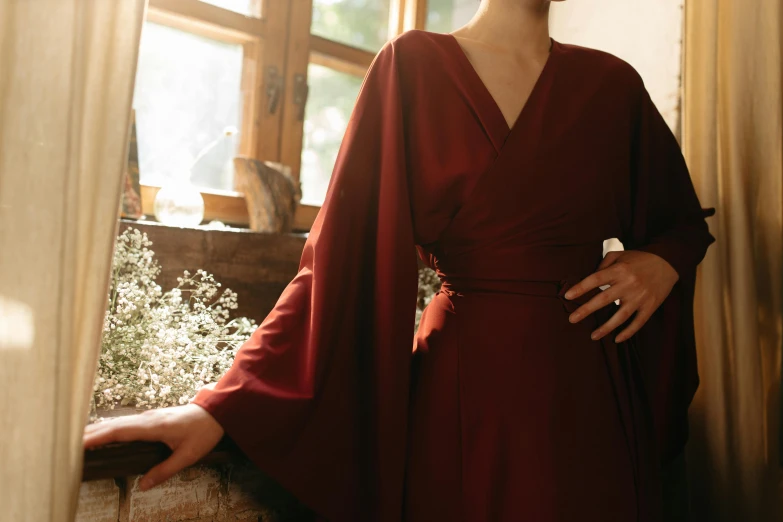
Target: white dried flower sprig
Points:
(158, 349)
(429, 285)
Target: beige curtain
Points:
(66, 81)
(732, 118)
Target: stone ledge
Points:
(214, 493)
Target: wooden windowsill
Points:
(229, 208)
(135, 458)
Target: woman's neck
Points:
(519, 26)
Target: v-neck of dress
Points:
(497, 118)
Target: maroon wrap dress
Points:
(500, 409)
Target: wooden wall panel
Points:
(257, 266)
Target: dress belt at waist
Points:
(554, 289)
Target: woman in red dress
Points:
(506, 159)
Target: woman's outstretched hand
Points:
(188, 430)
(640, 280)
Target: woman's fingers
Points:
(630, 330)
(125, 429)
(190, 431)
(179, 460)
(619, 317)
(640, 281)
(195, 432)
(609, 259)
(602, 277)
(598, 301)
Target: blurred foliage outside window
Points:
(358, 23)
(363, 24)
(332, 97)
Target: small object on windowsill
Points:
(179, 204)
(216, 225)
(271, 194)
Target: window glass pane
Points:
(443, 16)
(187, 99)
(360, 23)
(245, 7)
(331, 100)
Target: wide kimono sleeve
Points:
(317, 398)
(669, 221)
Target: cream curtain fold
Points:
(732, 120)
(67, 70)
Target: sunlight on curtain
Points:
(732, 135)
(16, 325)
(65, 96)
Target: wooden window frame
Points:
(192, 16)
(305, 48)
(262, 40)
(280, 38)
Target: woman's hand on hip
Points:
(640, 280)
(188, 430)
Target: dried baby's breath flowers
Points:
(429, 285)
(159, 348)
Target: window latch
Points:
(301, 90)
(274, 88)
